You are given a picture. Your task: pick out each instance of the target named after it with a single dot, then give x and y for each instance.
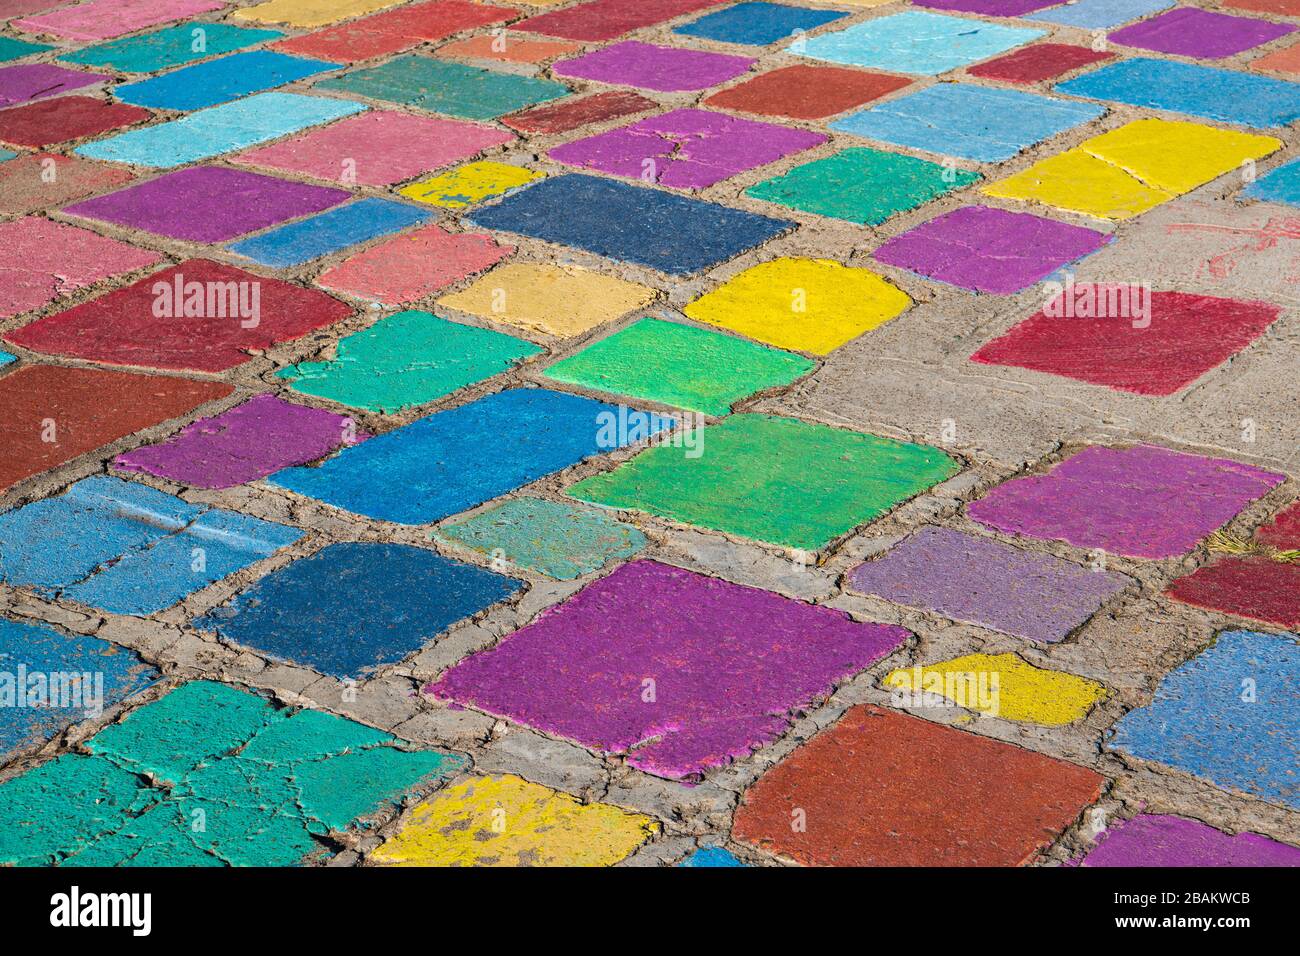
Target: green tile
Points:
(11, 49)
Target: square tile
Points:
(1228, 716)
(457, 459)
(395, 30)
(31, 81)
(219, 80)
(407, 359)
(470, 184)
(860, 781)
(983, 581)
(989, 250)
(329, 232)
(982, 123)
(686, 149)
(806, 92)
(650, 67)
(607, 19)
(168, 47)
(775, 480)
(1140, 502)
(1192, 32)
(65, 118)
(758, 23)
(26, 185)
(590, 659)
(106, 19)
(811, 305)
(1100, 14)
(577, 111)
(198, 315)
(1159, 839)
(1281, 184)
(1042, 61)
(861, 185)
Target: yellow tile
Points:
(310, 13)
(507, 821)
(811, 305)
(468, 184)
(555, 300)
(1079, 182)
(1003, 685)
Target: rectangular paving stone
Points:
(650, 67)
(607, 19)
(1255, 587)
(310, 13)
(1163, 840)
(106, 19)
(805, 91)
(758, 23)
(169, 47)
(11, 49)
(1285, 60)
(1204, 34)
(679, 365)
(128, 548)
(632, 665)
(219, 80)
(88, 408)
(6, 358)
(1229, 715)
(887, 789)
(356, 606)
(124, 327)
(329, 232)
(244, 443)
(395, 30)
(1042, 61)
(983, 581)
(470, 184)
(711, 856)
(578, 111)
(506, 49)
(219, 129)
(407, 359)
(456, 459)
(776, 480)
(1142, 502)
(23, 188)
(1281, 184)
(64, 118)
(31, 81)
(1099, 14)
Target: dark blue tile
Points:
(758, 24)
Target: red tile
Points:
(572, 113)
(607, 19)
(1283, 532)
(40, 180)
(65, 118)
(806, 92)
(395, 30)
(1254, 587)
(1288, 8)
(1043, 61)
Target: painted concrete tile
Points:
(861, 185)
(607, 19)
(1258, 587)
(549, 299)
(811, 305)
(554, 539)
(1277, 185)
(43, 261)
(219, 129)
(758, 466)
(508, 821)
(6, 154)
(1182, 337)
(1229, 715)
(395, 30)
(506, 49)
(577, 111)
(673, 234)
(1163, 840)
(453, 89)
(1286, 8)
(245, 443)
(377, 148)
(407, 359)
(65, 118)
(916, 42)
(679, 365)
(127, 548)
(413, 265)
(26, 185)
(1192, 32)
(1285, 60)
(711, 856)
(986, 582)
(857, 784)
(758, 23)
(806, 92)
(1099, 14)
(989, 250)
(50, 681)
(650, 67)
(30, 81)
(456, 459)
(1042, 61)
(220, 80)
(6, 358)
(983, 123)
(470, 184)
(310, 13)
(1206, 91)
(356, 606)
(630, 665)
(328, 232)
(88, 408)
(210, 327)
(169, 47)
(11, 49)
(106, 19)
(687, 148)
(989, 8)
(1142, 502)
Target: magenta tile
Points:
(683, 672)
(32, 81)
(105, 19)
(1188, 31)
(989, 250)
(1143, 502)
(651, 67)
(208, 203)
(247, 442)
(689, 149)
(1157, 839)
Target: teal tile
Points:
(169, 47)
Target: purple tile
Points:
(248, 442)
(689, 149)
(208, 203)
(989, 250)
(1188, 31)
(1143, 502)
(651, 67)
(18, 84)
(1157, 839)
(989, 583)
(684, 671)
(990, 8)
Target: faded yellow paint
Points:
(310, 13)
(507, 821)
(1003, 685)
(469, 184)
(809, 305)
(554, 300)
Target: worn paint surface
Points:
(916, 42)
(65, 118)
(1041, 61)
(1189, 31)
(1160, 839)
(169, 47)
(650, 67)
(469, 184)
(394, 30)
(328, 232)
(23, 188)
(30, 81)
(105, 19)
(757, 23)
(573, 112)
(220, 81)
(805, 91)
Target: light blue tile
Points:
(328, 232)
(1280, 185)
(1100, 14)
(6, 358)
(220, 80)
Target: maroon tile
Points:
(65, 118)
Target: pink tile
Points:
(105, 19)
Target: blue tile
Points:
(169, 47)
(356, 606)
(982, 123)
(6, 154)
(220, 80)
(453, 460)
(1100, 14)
(330, 231)
(674, 234)
(758, 24)
(5, 357)
(1223, 95)
(1279, 185)
(710, 856)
